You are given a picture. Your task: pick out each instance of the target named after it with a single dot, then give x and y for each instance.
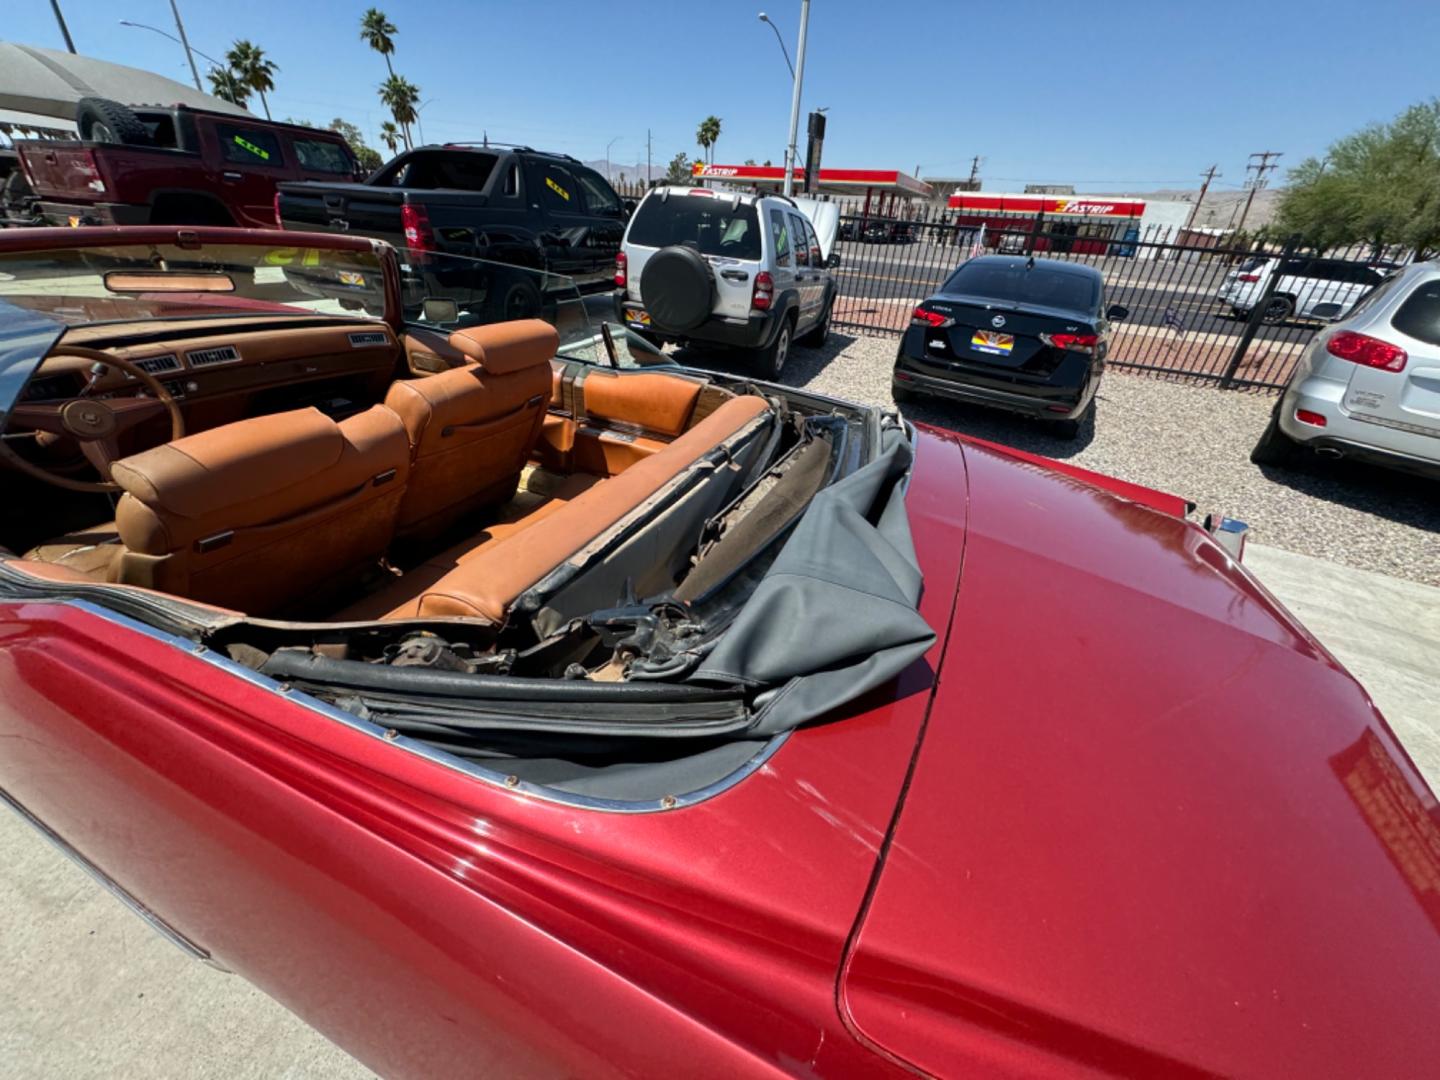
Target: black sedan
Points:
(1023, 334)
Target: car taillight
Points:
(415, 220)
(933, 319)
(1367, 351)
(620, 264)
(764, 292)
(89, 169)
(1251, 278)
(278, 223)
(1074, 342)
(1314, 419)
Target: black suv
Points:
(512, 205)
(1023, 334)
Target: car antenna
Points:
(1030, 263)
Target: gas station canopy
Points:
(39, 87)
(829, 182)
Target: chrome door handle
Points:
(231, 175)
(734, 275)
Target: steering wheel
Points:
(96, 423)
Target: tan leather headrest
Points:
(509, 346)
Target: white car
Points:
(718, 267)
(1369, 387)
(1309, 288)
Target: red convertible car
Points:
(502, 708)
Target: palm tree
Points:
(378, 32)
(227, 86)
(707, 134)
(401, 96)
(390, 135)
(247, 60)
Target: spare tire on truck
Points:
(677, 288)
(102, 120)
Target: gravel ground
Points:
(1191, 440)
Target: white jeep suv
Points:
(719, 267)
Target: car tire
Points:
(770, 361)
(102, 120)
(519, 299)
(816, 337)
(1274, 446)
(1277, 310)
(902, 396)
(677, 288)
(1070, 429)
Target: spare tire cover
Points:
(677, 288)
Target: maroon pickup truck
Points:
(175, 166)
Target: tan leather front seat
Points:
(261, 514)
(472, 428)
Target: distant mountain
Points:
(632, 172)
(1221, 209)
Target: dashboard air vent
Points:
(222, 354)
(157, 365)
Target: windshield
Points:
(128, 282)
(1038, 285)
(453, 292)
(711, 224)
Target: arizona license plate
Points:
(996, 344)
(636, 317)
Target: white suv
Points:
(1309, 288)
(1369, 387)
(724, 268)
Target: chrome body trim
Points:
(155, 922)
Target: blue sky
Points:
(1109, 95)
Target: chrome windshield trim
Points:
(414, 746)
(110, 885)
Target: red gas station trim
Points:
(1050, 204)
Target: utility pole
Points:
(795, 98)
(1259, 181)
(1209, 175)
(647, 157)
(64, 30)
(974, 170)
(180, 26)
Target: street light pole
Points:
(64, 30)
(420, 119)
(783, 51)
(608, 145)
(172, 37)
(795, 98)
(180, 26)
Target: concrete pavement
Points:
(91, 991)
(1385, 631)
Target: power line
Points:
(1264, 165)
(1209, 175)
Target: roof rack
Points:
(485, 145)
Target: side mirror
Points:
(833, 261)
(434, 309)
(627, 207)
(1116, 312)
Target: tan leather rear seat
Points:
(487, 582)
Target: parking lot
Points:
(1183, 438)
